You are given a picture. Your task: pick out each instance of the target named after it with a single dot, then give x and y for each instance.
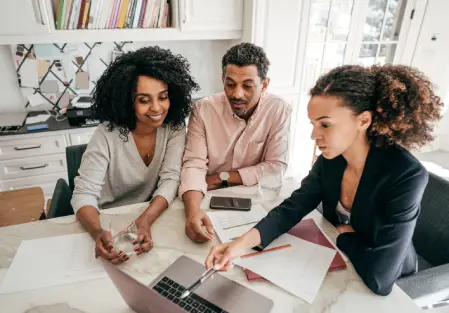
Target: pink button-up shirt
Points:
(220, 141)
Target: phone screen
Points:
(230, 203)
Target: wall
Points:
(431, 57)
(204, 56)
(10, 96)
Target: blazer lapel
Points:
(333, 190)
(367, 184)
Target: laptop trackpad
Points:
(219, 290)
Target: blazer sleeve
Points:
(380, 265)
(302, 201)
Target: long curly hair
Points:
(245, 54)
(401, 99)
(114, 96)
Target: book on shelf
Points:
(112, 14)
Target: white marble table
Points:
(342, 291)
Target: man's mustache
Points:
(238, 101)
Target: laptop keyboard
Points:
(193, 303)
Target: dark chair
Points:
(60, 202)
(431, 240)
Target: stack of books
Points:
(111, 14)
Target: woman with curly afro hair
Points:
(368, 183)
(142, 100)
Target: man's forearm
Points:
(192, 200)
(90, 219)
(235, 179)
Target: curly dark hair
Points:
(247, 54)
(113, 99)
(401, 99)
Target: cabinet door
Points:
(33, 166)
(211, 15)
(46, 182)
(20, 17)
(81, 138)
(28, 146)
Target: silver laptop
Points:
(216, 295)
(12, 119)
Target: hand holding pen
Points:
(231, 251)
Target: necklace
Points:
(148, 155)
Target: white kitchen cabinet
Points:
(17, 146)
(20, 17)
(46, 182)
(212, 15)
(37, 160)
(35, 166)
(33, 22)
(81, 138)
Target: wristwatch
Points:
(224, 176)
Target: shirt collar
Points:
(235, 116)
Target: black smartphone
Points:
(230, 203)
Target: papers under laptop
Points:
(299, 270)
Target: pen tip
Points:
(185, 294)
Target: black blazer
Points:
(383, 214)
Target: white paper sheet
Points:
(36, 99)
(37, 119)
(299, 270)
(229, 225)
(29, 74)
(52, 261)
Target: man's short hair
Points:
(247, 54)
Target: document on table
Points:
(52, 261)
(299, 270)
(229, 225)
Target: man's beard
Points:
(240, 112)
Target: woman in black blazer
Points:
(370, 186)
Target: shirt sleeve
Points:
(380, 265)
(169, 176)
(276, 157)
(92, 171)
(195, 160)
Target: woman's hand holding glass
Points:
(104, 247)
(143, 240)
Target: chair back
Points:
(60, 202)
(431, 237)
(74, 155)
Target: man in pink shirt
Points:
(232, 135)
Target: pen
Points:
(196, 284)
(207, 274)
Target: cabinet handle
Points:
(27, 148)
(26, 168)
(38, 12)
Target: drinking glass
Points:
(123, 235)
(270, 183)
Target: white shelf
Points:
(108, 35)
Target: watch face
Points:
(224, 176)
